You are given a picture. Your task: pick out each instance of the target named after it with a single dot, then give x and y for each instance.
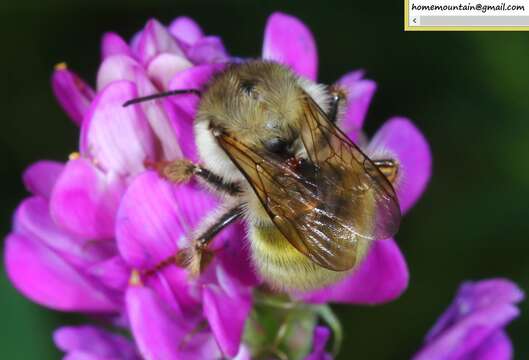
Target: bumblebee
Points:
(313, 202)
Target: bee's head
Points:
(260, 104)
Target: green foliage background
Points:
(468, 92)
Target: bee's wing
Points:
(330, 203)
(370, 204)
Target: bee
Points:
(312, 200)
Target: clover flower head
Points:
(92, 233)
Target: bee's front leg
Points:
(177, 171)
(182, 170)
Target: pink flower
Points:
(90, 342)
(321, 336)
(90, 236)
(472, 328)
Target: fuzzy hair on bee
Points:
(312, 201)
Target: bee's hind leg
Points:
(182, 170)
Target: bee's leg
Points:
(182, 170)
(196, 257)
(337, 97)
(228, 217)
(177, 171)
(216, 181)
(388, 167)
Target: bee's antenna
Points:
(161, 95)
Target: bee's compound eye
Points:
(277, 145)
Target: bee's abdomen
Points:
(283, 267)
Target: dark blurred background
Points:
(468, 92)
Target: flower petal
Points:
(489, 292)
(154, 40)
(72, 93)
(359, 94)
(208, 50)
(321, 336)
(80, 355)
(85, 200)
(94, 341)
(497, 346)
(118, 138)
(186, 105)
(175, 288)
(381, 277)
(161, 334)
(32, 219)
(47, 279)
(473, 325)
(226, 307)
(186, 30)
(399, 138)
(235, 257)
(117, 67)
(134, 43)
(469, 334)
(113, 44)
(289, 41)
(243, 354)
(40, 177)
(113, 273)
(473, 296)
(163, 118)
(192, 78)
(183, 134)
(163, 67)
(155, 218)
